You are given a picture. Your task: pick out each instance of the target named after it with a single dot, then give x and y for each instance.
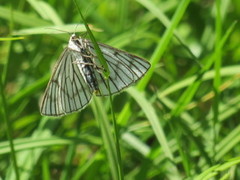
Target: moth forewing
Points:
(125, 69)
(67, 91)
(134, 63)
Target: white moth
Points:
(78, 75)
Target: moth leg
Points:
(88, 56)
(84, 63)
(98, 68)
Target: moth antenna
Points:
(76, 29)
(59, 30)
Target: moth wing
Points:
(125, 69)
(67, 91)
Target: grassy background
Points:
(180, 122)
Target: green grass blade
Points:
(46, 11)
(107, 137)
(191, 90)
(100, 56)
(22, 18)
(217, 169)
(162, 45)
(27, 159)
(9, 129)
(106, 73)
(11, 38)
(155, 123)
(217, 78)
(71, 28)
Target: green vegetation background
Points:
(180, 122)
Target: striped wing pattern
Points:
(66, 91)
(125, 69)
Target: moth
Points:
(78, 75)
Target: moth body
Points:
(85, 63)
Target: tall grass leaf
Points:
(22, 18)
(108, 141)
(149, 111)
(46, 11)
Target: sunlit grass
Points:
(181, 120)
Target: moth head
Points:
(74, 37)
(75, 43)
